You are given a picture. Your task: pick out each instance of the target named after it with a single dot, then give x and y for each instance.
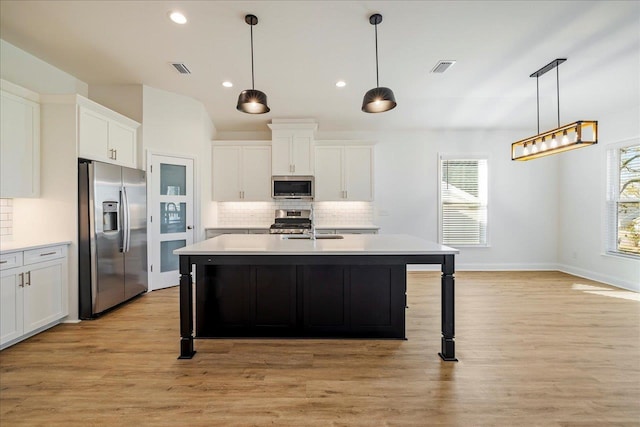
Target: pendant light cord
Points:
(538, 101)
(377, 81)
(252, 82)
(558, 92)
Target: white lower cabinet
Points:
(213, 232)
(33, 292)
(340, 230)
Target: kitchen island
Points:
(286, 286)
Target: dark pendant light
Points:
(378, 99)
(252, 101)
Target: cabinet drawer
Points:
(10, 260)
(358, 231)
(43, 254)
(259, 231)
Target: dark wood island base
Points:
(304, 296)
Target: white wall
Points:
(523, 196)
(179, 125)
(52, 216)
(581, 238)
(24, 69)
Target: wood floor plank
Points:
(534, 349)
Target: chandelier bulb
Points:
(554, 141)
(565, 138)
(526, 150)
(534, 147)
(543, 146)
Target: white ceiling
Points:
(303, 47)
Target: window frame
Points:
(463, 157)
(612, 198)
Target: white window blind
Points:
(463, 201)
(623, 199)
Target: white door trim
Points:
(152, 239)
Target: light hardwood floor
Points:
(532, 350)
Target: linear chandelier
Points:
(581, 133)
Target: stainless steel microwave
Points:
(292, 187)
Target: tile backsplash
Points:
(6, 217)
(326, 213)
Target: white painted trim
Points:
(344, 142)
(92, 105)
(149, 153)
(487, 267)
(225, 142)
(30, 334)
(574, 271)
(20, 91)
(591, 275)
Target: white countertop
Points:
(347, 227)
(318, 227)
(15, 246)
(240, 227)
(352, 244)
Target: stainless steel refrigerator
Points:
(112, 233)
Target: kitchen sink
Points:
(308, 237)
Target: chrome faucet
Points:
(312, 217)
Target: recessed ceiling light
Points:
(341, 83)
(227, 84)
(178, 18)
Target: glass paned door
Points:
(172, 216)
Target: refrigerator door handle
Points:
(122, 223)
(127, 218)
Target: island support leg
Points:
(447, 297)
(186, 309)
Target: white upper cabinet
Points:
(358, 173)
(19, 142)
(329, 177)
(292, 145)
(241, 171)
(106, 135)
(344, 172)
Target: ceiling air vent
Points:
(442, 66)
(182, 69)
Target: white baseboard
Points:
(487, 267)
(609, 280)
(586, 274)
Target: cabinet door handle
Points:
(115, 154)
(48, 253)
(3, 261)
(28, 280)
(21, 280)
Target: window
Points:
(463, 201)
(623, 199)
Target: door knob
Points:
(189, 227)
